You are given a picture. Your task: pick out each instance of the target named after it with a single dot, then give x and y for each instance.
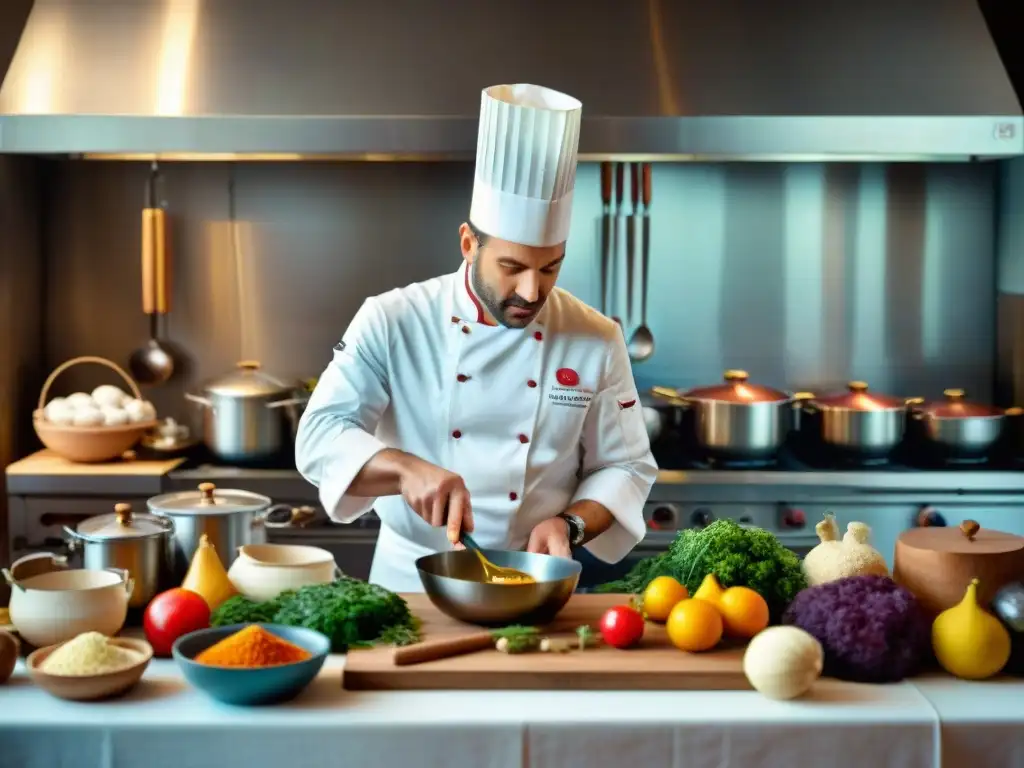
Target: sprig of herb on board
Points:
(516, 638)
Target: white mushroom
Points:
(140, 410)
(114, 417)
(59, 413)
(110, 396)
(80, 400)
(88, 417)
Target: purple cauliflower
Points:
(872, 629)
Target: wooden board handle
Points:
(442, 649)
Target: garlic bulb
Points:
(109, 396)
(87, 417)
(114, 417)
(80, 400)
(783, 662)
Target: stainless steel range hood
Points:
(400, 79)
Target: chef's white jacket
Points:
(532, 419)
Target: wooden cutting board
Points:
(655, 664)
(46, 462)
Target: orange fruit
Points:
(744, 612)
(661, 597)
(694, 625)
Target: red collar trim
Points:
(481, 317)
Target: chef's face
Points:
(511, 280)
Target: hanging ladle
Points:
(153, 363)
(641, 344)
(496, 574)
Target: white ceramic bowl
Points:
(53, 607)
(263, 571)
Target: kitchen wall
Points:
(1010, 260)
(805, 275)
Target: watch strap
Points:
(576, 528)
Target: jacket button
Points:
(538, 335)
(465, 329)
(531, 383)
(456, 434)
(462, 377)
(455, 319)
(524, 439)
(513, 496)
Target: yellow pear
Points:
(206, 575)
(710, 590)
(968, 641)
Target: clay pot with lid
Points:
(858, 422)
(249, 416)
(957, 428)
(937, 563)
(738, 420)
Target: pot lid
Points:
(968, 538)
(737, 389)
(122, 524)
(857, 398)
(956, 407)
(209, 500)
(247, 380)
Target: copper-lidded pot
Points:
(740, 420)
(858, 422)
(957, 427)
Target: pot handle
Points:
(913, 405)
(9, 578)
(338, 573)
(203, 401)
(301, 400)
(72, 538)
(129, 582)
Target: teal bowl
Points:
(251, 686)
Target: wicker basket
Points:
(88, 444)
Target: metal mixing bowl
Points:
(453, 582)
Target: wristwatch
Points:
(577, 528)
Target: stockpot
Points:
(229, 518)
(137, 543)
(857, 422)
(248, 415)
(738, 420)
(957, 429)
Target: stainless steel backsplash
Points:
(805, 275)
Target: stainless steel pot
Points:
(859, 423)
(138, 544)
(229, 518)
(739, 421)
(248, 415)
(957, 429)
(662, 410)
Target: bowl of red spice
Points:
(251, 664)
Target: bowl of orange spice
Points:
(251, 664)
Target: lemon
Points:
(661, 596)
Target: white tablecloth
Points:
(166, 724)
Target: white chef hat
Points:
(526, 164)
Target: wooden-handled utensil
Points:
(152, 363)
(617, 233)
(496, 573)
(432, 650)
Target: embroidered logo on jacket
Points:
(568, 392)
(567, 377)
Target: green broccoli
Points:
(737, 555)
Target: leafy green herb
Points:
(586, 636)
(352, 613)
(516, 638)
(737, 555)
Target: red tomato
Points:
(567, 377)
(622, 626)
(172, 614)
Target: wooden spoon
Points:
(496, 574)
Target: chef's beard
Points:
(497, 306)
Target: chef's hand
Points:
(438, 496)
(550, 538)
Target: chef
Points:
(487, 400)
